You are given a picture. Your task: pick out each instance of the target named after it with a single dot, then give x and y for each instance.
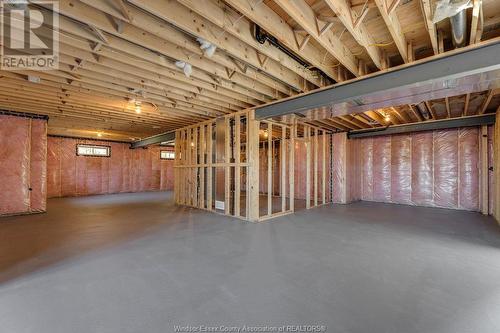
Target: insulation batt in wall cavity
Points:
(23, 154)
(126, 170)
(437, 169)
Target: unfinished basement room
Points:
(234, 166)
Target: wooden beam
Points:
(447, 103)
(253, 166)
(394, 4)
(218, 13)
(476, 9)
(392, 22)
(425, 5)
(359, 32)
(303, 14)
(466, 104)
(276, 26)
(487, 101)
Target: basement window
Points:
(167, 155)
(93, 150)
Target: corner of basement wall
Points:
(23, 154)
(496, 168)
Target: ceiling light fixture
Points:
(138, 107)
(99, 134)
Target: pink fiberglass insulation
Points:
(15, 156)
(38, 166)
(53, 167)
(23, 168)
(382, 168)
(126, 170)
(468, 162)
(422, 168)
(339, 183)
(438, 169)
(401, 169)
(446, 168)
(366, 169)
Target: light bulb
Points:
(266, 134)
(137, 109)
(99, 134)
(387, 118)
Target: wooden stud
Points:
(283, 168)
(227, 168)
(269, 169)
(203, 146)
(315, 171)
(323, 181)
(237, 171)
(291, 166)
(253, 169)
(484, 170)
(307, 137)
(208, 139)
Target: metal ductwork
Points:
(459, 29)
(422, 108)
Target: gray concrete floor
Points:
(137, 263)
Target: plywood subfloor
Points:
(137, 263)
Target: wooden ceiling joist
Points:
(187, 20)
(151, 33)
(276, 26)
(392, 22)
(303, 14)
(360, 33)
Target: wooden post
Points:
(307, 137)
(323, 181)
(208, 139)
(237, 171)
(315, 171)
(269, 169)
(176, 164)
(203, 146)
(227, 168)
(194, 173)
(253, 166)
(283, 168)
(293, 134)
